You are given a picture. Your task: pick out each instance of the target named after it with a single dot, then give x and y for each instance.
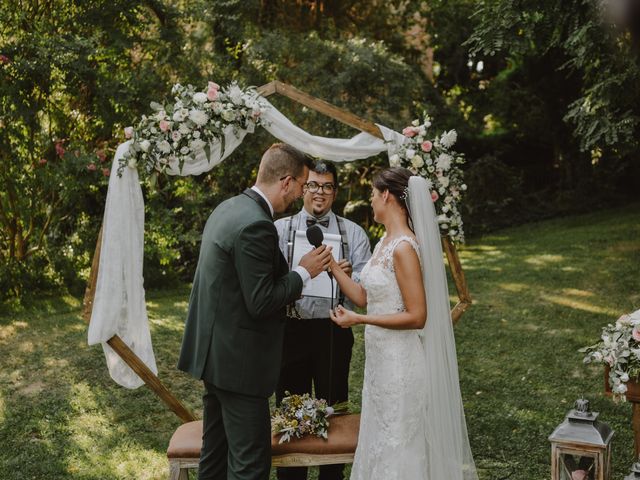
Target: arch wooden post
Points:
(332, 111)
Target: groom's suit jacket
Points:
(235, 323)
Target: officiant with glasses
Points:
(317, 352)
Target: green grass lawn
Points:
(541, 291)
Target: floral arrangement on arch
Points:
(178, 131)
(619, 348)
(433, 159)
(300, 415)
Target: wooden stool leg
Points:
(176, 472)
(636, 427)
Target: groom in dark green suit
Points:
(235, 324)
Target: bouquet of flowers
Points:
(177, 131)
(432, 158)
(300, 415)
(619, 348)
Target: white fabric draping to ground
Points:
(119, 305)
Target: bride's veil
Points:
(449, 454)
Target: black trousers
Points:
(236, 443)
(306, 363)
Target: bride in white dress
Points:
(412, 425)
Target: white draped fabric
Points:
(119, 305)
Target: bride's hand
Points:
(343, 317)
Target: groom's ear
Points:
(385, 195)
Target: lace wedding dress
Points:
(392, 443)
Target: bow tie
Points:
(312, 221)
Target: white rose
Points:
(624, 377)
(196, 134)
(444, 181)
(394, 160)
(444, 161)
(144, 145)
(164, 146)
(417, 161)
(184, 150)
(200, 97)
(441, 190)
(410, 152)
(448, 199)
(177, 116)
(235, 94)
(228, 115)
(197, 144)
(184, 129)
(161, 115)
(217, 108)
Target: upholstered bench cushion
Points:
(186, 442)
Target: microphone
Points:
(316, 237)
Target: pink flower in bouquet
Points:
(579, 475)
(128, 132)
(426, 146)
(635, 333)
(102, 156)
(106, 172)
(60, 149)
(409, 132)
(164, 125)
(212, 91)
(91, 167)
(434, 195)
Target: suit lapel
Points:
(258, 198)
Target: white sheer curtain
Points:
(119, 304)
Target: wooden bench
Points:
(185, 444)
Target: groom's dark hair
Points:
(281, 160)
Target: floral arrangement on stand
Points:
(619, 349)
(176, 132)
(300, 415)
(433, 159)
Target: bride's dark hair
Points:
(396, 180)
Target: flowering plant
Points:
(300, 415)
(434, 160)
(177, 131)
(619, 348)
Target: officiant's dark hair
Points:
(396, 180)
(280, 160)
(323, 167)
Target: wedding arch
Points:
(114, 304)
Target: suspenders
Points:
(344, 242)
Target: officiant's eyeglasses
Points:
(313, 187)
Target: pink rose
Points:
(102, 156)
(164, 125)
(128, 132)
(43, 161)
(434, 195)
(579, 475)
(409, 132)
(426, 146)
(106, 172)
(212, 91)
(60, 149)
(635, 334)
(91, 167)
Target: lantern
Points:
(635, 471)
(581, 446)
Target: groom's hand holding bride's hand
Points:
(317, 260)
(344, 317)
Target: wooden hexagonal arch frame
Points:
(337, 113)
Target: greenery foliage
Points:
(544, 96)
(541, 292)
